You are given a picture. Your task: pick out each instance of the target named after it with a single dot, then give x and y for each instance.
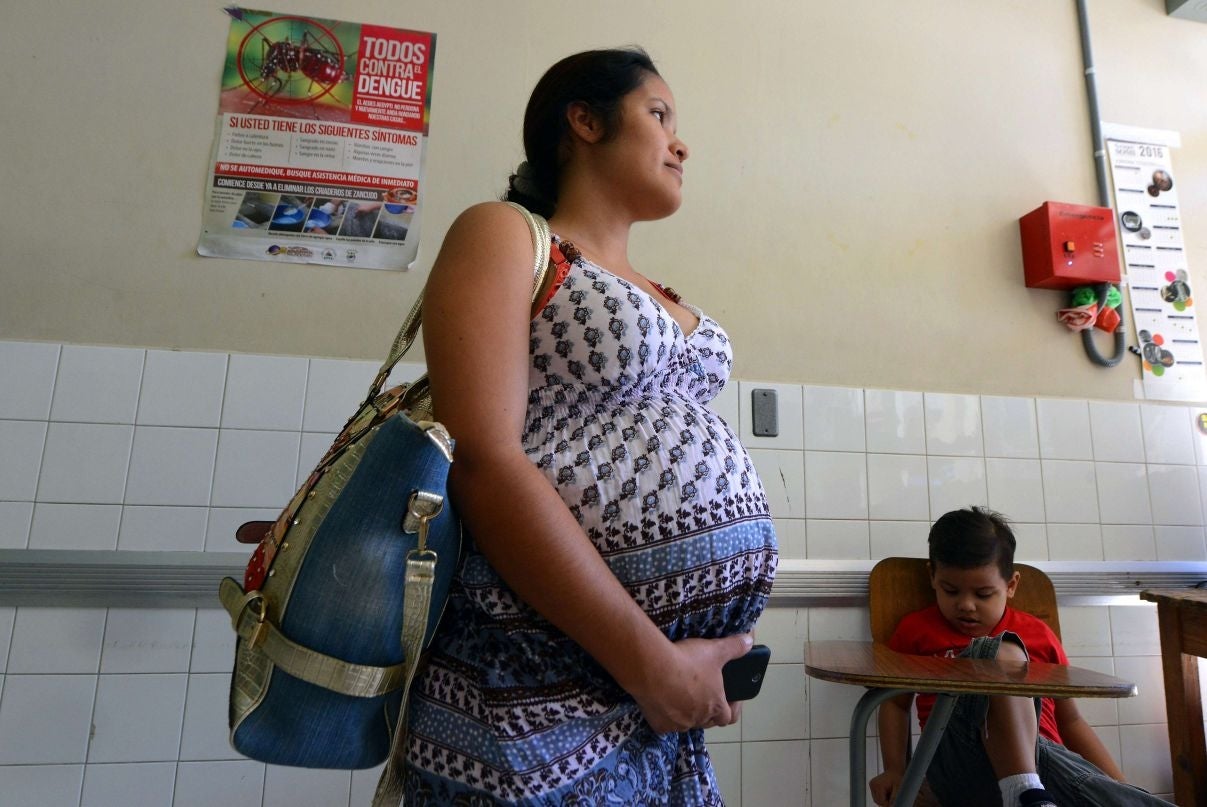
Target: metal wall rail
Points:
(100, 579)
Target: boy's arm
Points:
(893, 721)
(1079, 736)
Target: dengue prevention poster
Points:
(319, 144)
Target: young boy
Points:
(996, 750)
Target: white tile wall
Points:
(333, 390)
(1116, 432)
(213, 643)
(164, 528)
(56, 640)
(1167, 435)
(781, 711)
(85, 463)
(1070, 492)
(1032, 541)
(836, 485)
(205, 731)
(27, 371)
(205, 784)
(182, 389)
(1064, 429)
(1010, 427)
(834, 419)
(895, 422)
(21, 445)
(1144, 757)
(1074, 542)
(1102, 713)
(186, 446)
(45, 719)
(1123, 493)
(171, 466)
(255, 468)
(15, 518)
(836, 540)
(790, 535)
(953, 425)
(1085, 631)
(782, 473)
(264, 392)
(148, 640)
(1015, 486)
(727, 762)
(897, 487)
(1179, 543)
(302, 787)
(137, 718)
(313, 446)
(1174, 492)
(40, 785)
(75, 526)
(123, 785)
(1123, 542)
(956, 482)
(907, 538)
(97, 384)
(7, 617)
(776, 773)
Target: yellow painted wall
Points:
(858, 169)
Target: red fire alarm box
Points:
(1069, 245)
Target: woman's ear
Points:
(584, 123)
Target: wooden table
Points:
(1182, 616)
(889, 674)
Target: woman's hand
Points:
(685, 690)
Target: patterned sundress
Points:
(509, 709)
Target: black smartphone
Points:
(743, 676)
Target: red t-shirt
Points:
(927, 633)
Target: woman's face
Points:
(645, 154)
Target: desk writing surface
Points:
(1194, 599)
(875, 665)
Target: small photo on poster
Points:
(394, 221)
(291, 213)
(360, 219)
(255, 211)
(326, 216)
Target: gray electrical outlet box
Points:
(1187, 9)
(764, 408)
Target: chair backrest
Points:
(898, 586)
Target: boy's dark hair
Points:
(975, 536)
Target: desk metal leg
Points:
(915, 772)
(928, 743)
(859, 740)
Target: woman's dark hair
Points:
(597, 78)
(976, 536)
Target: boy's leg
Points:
(963, 772)
(1011, 727)
(1076, 782)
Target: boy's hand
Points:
(885, 787)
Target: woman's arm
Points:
(1079, 736)
(475, 321)
(893, 722)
